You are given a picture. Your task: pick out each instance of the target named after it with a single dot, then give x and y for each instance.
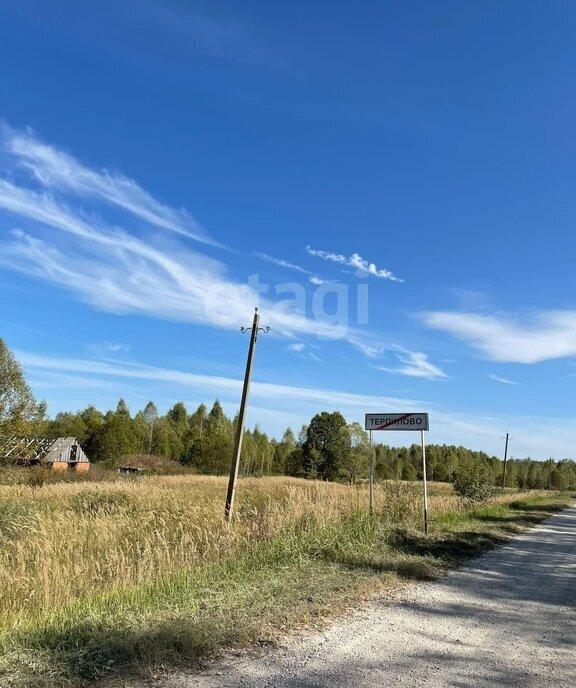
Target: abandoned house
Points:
(59, 454)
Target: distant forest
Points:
(328, 448)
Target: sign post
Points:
(371, 478)
(399, 421)
(424, 482)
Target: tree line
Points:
(328, 448)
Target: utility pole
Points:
(505, 457)
(242, 415)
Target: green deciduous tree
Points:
(354, 463)
(18, 408)
(327, 445)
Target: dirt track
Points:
(506, 619)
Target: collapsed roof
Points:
(34, 450)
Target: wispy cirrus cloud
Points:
(368, 348)
(103, 348)
(58, 228)
(503, 380)
(354, 261)
(212, 383)
(57, 171)
(303, 351)
(318, 281)
(297, 346)
(541, 336)
(281, 262)
(414, 364)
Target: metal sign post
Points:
(424, 482)
(371, 478)
(399, 421)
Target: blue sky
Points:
(392, 183)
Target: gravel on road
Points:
(507, 618)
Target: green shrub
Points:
(473, 482)
(37, 476)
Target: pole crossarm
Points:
(260, 329)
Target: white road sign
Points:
(396, 421)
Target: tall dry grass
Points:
(67, 542)
(63, 542)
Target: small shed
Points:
(59, 454)
(128, 470)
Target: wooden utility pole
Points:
(242, 416)
(505, 457)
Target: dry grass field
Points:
(97, 578)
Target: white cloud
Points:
(101, 348)
(42, 379)
(55, 170)
(281, 262)
(543, 336)
(354, 261)
(215, 384)
(313, 279)
(302, 351)
(326, 255)
(116, 346)
(503, 380)
(369, 349)
(112, 268)
(415, 364)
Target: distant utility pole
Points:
(242, 415)
(505, 458)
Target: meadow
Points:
(103, 579)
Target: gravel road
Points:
(506, 619)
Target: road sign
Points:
(399, 421)
(396, 421)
